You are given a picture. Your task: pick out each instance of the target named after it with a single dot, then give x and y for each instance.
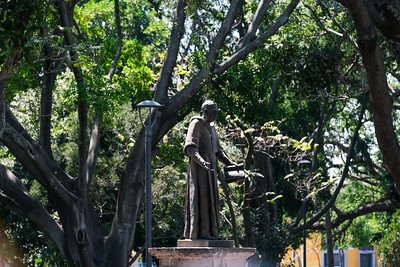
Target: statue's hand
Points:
(206, 165)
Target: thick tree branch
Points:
(243, 52)
(178, 29)
(4, 73)
(93, 148)
(36, 161)
(51, 66)
(181, 98)
(117, 55)
(29, 207)
(225, 28)
(46, 107)
(66, 15)
(329, 238)
(380, 99)
(337, 211)
(255, 23)
(379, 206)
(14, 123)
(61, 174)
(385, 18)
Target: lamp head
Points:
(151, 105)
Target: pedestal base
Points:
(202, 256)
(194, 243)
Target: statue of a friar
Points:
(203, 147)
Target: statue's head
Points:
(210, 110)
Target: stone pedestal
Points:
(202, 256)
(194, 243)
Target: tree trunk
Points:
(329, 239)
(381, 102)
(120, 240)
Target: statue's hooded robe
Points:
(202, 207)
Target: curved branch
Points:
(379, 206)
(66, 16)
(51, 65)
(381, 102)
(177, 32)
(4, 73)
(243, 52)
(29, 207)
(36, 161)
(93, 148)
(14, 124)
(255, 23)
(196, 83)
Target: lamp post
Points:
(148, 124)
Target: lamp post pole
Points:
(147, 152)
(148, 125)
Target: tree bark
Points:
(51, 66)
(329, 239)
(378, 206)
(381, 103)
(245, 50)
(176, 35)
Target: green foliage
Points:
(389, 246)
(21, 243)
(281, 89)
(246, 89)
(18, 20)
(134, 75)
(168, 199)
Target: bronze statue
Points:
(202, 146)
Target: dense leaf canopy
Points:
(308, 99)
